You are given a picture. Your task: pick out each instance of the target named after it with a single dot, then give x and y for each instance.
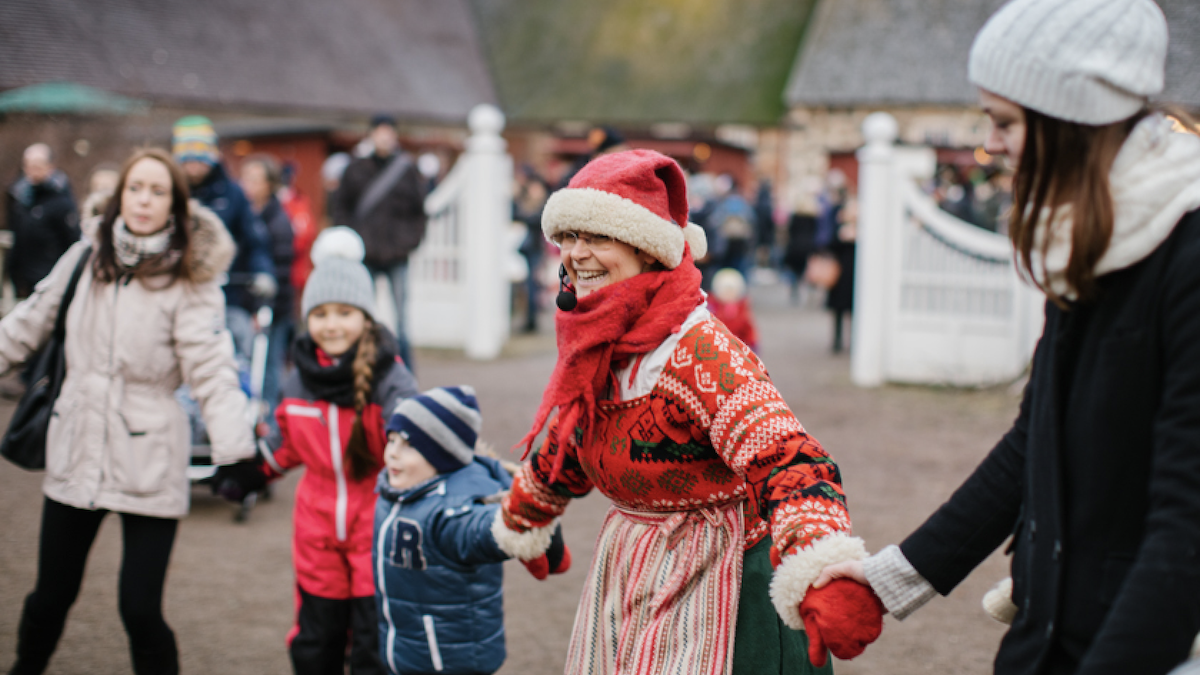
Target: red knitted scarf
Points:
(612, 323)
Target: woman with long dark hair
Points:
(146, 317)
(1098, 481)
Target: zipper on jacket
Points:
(431, 636)
(112, 357)
(335, 452)
(381, 582)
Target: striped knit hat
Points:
(638, 197)
(194, 139)
(442, 424)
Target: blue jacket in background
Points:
(438, 578)
(225, 197)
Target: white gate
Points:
(937, 300)
(459, 294)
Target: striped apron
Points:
(662, 594)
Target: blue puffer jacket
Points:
(438, 581)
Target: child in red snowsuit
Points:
(331, 420)
(731, 305)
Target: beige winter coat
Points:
(117, 439)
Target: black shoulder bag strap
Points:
(382, 184)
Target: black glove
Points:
(235, 481)
(558, 552)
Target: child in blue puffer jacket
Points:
(438, 578)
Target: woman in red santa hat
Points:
(724, 508)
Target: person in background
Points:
(764, 226)
(1096, 487)
(261, 181)
(42, 217)
(382, 198)
(528, 202)
(734, 220)
(438, 578)
(146, 316)
(601, 140)
(102, 183)
(840, 298)
(299, 209)
(251, 277)
(730, 303)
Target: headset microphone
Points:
(566, 299)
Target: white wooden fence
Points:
(459, 291)
(936, 300)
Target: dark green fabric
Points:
(762, 643)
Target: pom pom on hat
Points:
(638, 197)
(194, 139)
(442, 424)
(338, 274)
(1085, 61)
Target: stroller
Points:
(252, 373)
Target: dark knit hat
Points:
(442, 424)
(379, 119)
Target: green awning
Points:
(68, 97)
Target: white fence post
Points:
(486, 212)
(876, 207)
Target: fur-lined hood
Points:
(210, 247)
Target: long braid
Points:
(358, 455)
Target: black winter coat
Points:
(283, 254)
(45, 222)
(395, 227)
(1098, 480)
(221, 194)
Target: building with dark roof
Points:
(909, 58)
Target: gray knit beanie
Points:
(338, 274)
(1086, 61)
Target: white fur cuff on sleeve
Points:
(521, 545)
(799, 570)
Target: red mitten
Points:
(556, 559)
(844, 616)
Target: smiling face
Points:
(146, 199)
(594, 261)
(1007, 136)
(406, 468)
(336, 328)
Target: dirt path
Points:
(229, 596)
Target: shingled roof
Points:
(914, 52)
(631, 61)
(419, 59)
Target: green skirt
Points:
(762, 642)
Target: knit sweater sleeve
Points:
(529, 512)
(791, 481)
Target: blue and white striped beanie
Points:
(442, 424)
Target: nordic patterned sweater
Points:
(697, 422)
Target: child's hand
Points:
(556, 559)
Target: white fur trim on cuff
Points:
(599, 212)
(799, 570)
(521, 545)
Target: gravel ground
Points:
(229, 595)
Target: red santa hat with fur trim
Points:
(637, 196)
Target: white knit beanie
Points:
(1086, 61)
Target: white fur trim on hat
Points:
(522, 545)
(599, 212)
(799, 570)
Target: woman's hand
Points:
(849, 569)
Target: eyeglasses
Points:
(596, 242)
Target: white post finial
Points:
(876, 207)
(485, 122)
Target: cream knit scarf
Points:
(1155, 180)
(132, 249)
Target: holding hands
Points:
(556, 559)
(841, 613)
